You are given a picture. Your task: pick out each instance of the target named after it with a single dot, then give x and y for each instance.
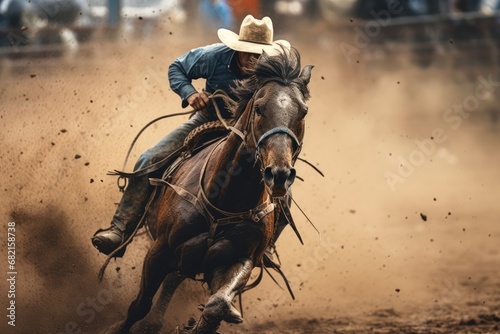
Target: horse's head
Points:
(276, 120)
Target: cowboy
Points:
(221, 65)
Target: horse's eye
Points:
(257, 111)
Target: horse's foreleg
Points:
(225, 284)
(155, 269)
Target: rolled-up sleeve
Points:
(183, 70)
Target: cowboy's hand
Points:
(198, 100)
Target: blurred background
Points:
(431, 30)
(403, 121)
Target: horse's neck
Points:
(234, 180)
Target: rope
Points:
(148, 125)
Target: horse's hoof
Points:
(234, 316)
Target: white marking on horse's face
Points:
(283, 100)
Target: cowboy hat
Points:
(255, 36)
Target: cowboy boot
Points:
(126, 218)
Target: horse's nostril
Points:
(291, 176)
(268, 175)
(279, 179)
(279, 176)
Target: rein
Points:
(122, 176)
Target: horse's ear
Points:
(305, 75)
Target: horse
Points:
(216, 214)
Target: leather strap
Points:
(285, 209)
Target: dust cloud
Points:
(383, 134)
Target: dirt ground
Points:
(408, 210)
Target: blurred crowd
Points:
(228, 13)
(430, 7)
(72, 22)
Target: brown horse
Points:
(216, 214)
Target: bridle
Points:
(250, 128)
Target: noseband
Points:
(273, 131)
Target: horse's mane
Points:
(283, 68)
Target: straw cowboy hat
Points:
(255, 36)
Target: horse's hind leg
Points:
(157, 265)
(225, 284)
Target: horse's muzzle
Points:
(278, 180)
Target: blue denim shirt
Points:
(212, 62)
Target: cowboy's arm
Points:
(190, 66)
